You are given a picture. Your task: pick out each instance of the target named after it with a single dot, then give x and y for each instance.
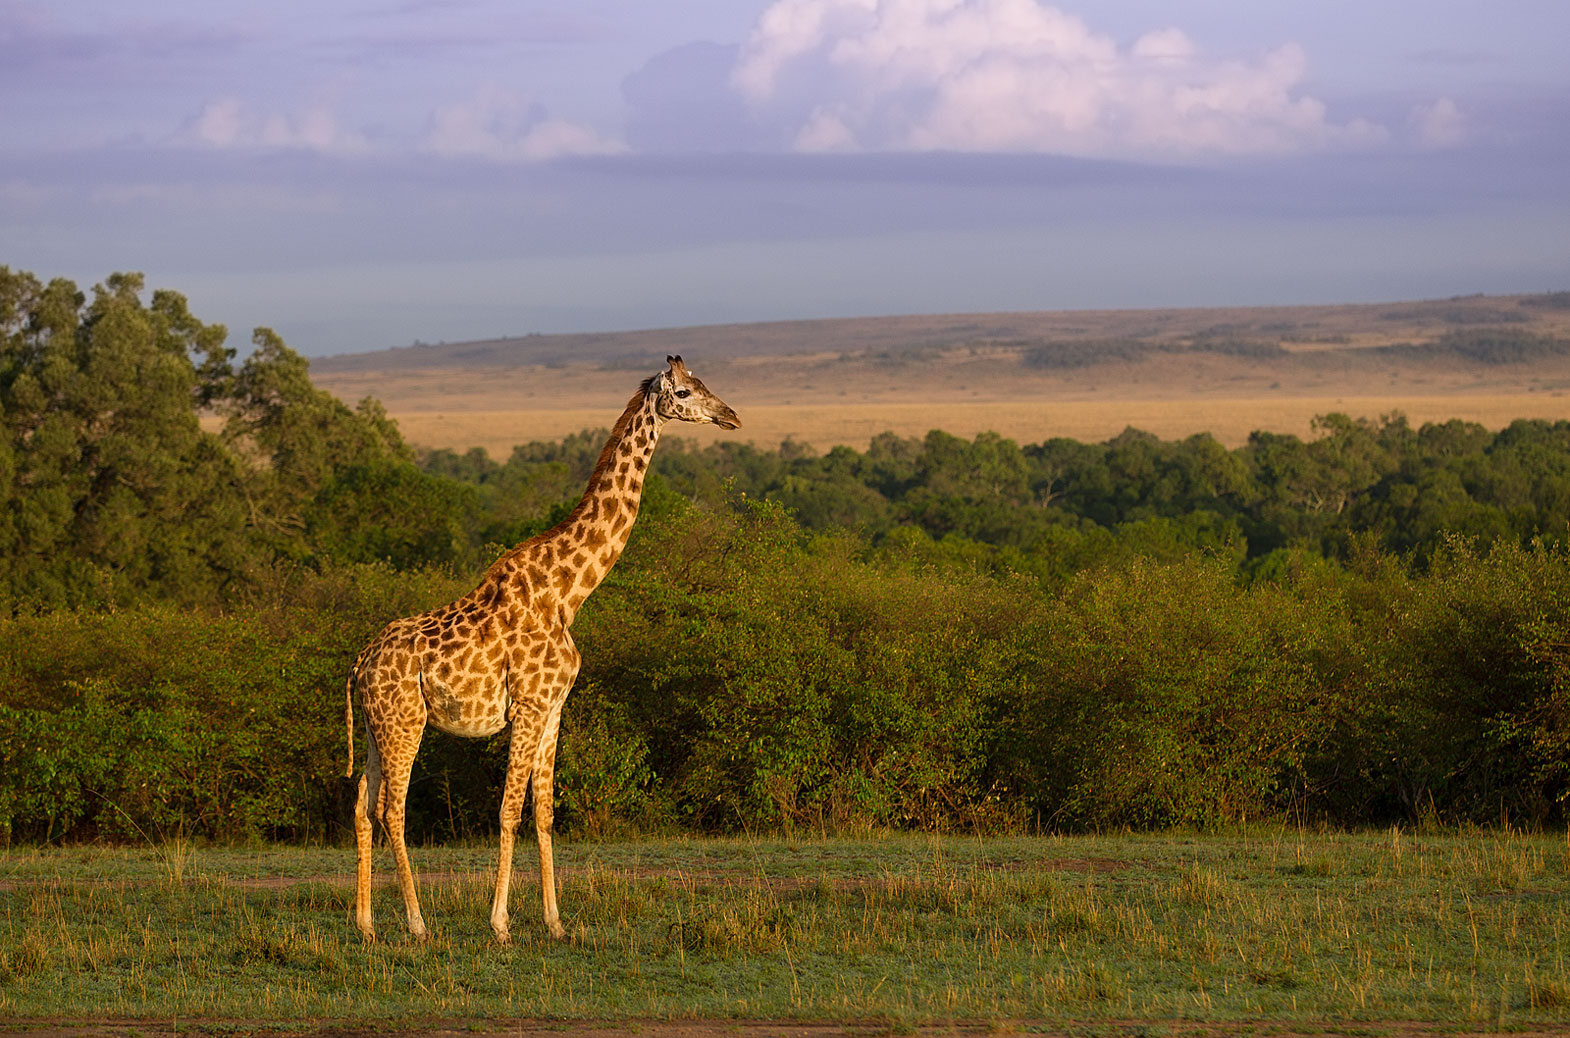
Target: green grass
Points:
(1272, 925)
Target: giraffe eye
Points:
(683, 393)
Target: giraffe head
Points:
(680, 395)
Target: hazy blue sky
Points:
(364, 174)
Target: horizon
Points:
(939, 315)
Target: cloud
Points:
(504, 126)
(1439, 125)
(226, 122)
(494, 124)
(1018, 76)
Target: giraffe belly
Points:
(469, 712)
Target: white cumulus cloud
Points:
(504, 126)
(1018, 76)
(227, 123)
(1439, 125)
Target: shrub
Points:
(1162, 694)
(1462, 715)
(154, 719)
(741, 674)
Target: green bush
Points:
(741, 674)
(783, 683)
(154, 720)
(1162, 694)
(1462, 712)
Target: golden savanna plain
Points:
(1087, 375)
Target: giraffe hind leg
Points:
(397, 762)
(367, 796)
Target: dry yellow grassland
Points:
(843, 382)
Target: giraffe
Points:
(503, 654)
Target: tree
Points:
(112, 485)
(296, 440)
(114, 491)
(388, 510)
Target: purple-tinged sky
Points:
(361, 175)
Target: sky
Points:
(366, 174)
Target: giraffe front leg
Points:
(525, 737)
(545, 816)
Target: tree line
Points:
(1056, 508)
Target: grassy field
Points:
(1277, 927)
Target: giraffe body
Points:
(503, 655)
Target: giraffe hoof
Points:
(558, 931)
(503, 938)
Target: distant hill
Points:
(1246, 329)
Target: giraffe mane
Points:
(601, 467)
(608, 454)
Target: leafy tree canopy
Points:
(137, 460)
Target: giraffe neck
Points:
(590, 540)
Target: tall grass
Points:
(1269, 925)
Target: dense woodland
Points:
(1369, 625)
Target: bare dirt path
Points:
(649, 1028)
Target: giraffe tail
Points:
(348, 708)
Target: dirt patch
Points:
(645, 1028)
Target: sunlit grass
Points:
(1277, 924)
